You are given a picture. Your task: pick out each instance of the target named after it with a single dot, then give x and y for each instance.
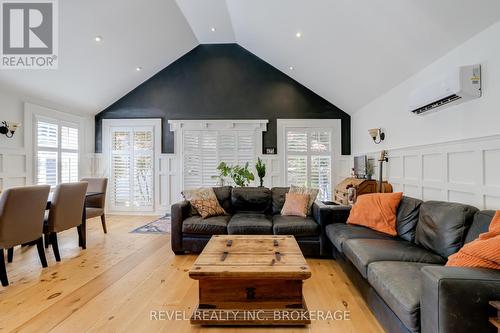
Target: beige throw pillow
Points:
(295, 204)
(313, 194)
(201, 193)
(208, 207)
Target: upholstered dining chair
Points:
(22, 211)
(95, 203)
(65, 212)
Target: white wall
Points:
(16, 164)
(453, 154)
(480, 117)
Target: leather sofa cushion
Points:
(216, 225)
(223, 194)
(442, 226)
(407, 218)
(295, 225)
(480, 224)
(398, 284)
(278, 195)
(250, 224)
(362, 252)
(251, 200)
(338, 233)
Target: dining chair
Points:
(66, 211)
(95, 204)
(22, 212)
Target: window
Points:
(132, 168)
(308, 159)
(56, 152)
(204, 150)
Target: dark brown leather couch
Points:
(403, 279)
(252, 210)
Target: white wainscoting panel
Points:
(465, 171)
(13, 168)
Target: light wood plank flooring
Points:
(115, 284)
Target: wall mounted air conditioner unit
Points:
(461, 85)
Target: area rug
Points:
(160, 226)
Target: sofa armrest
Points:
(179, 212)
(327, 214)
(455, 299)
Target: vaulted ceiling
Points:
(349, 52)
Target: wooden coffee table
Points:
(251, 280)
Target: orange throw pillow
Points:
(376, 211)
(296, 204)
(483, 252)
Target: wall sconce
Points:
(8, 128)
(377, 135)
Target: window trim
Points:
(59, 150)
(333, 125)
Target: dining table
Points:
(82, 230)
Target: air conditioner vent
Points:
(437, 104)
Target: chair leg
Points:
(103, 221)
(41, 252)
(79, 229)
(3, 271)
(55, 247)
(46, 240)
(10, 254)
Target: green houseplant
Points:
(224, 172)
(242, 176)
(261, 170)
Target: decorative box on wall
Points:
(362, 186)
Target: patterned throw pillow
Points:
(313, 194)
(208, 207)
(201, 193)
(295, 205)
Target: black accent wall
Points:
(222, 81)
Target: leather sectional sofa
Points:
(403, 279)
(251, 210)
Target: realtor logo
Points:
(29, 34)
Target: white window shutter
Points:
(132, 169)
(209, 158)
(309, 159)
(192, 160)
(203, 150)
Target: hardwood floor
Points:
(115, 284)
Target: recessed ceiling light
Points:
(138, 69)
(212, 29)
(298, 34)
(98, 39)
(290, 68)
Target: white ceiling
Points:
(351, 51)
(149, 34)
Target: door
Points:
(132, 168)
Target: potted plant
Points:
(224, 171)
(242, 176)
(261, 170)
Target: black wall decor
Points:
(222, 81)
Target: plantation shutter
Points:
(56, 152)
(132, 169)
(203, 150)
(309, 159)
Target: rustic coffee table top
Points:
(251, 256)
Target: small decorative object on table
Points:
(261, 171)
